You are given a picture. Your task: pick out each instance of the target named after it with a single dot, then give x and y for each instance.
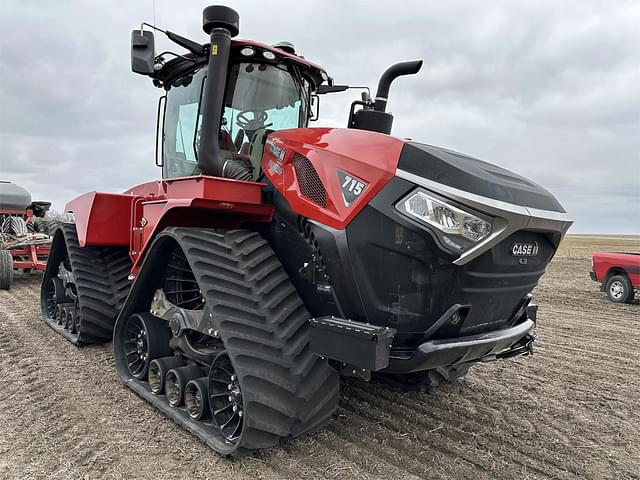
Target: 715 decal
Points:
(351, 187)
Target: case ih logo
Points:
(524, 249)
(276, 151)
(274, 167)
(351, 187)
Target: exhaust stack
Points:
(373, 115)
(389, 75)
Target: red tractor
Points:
(24, 234)
(273, 258)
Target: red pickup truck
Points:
(619, 274)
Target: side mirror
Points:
(314, 113)
(322, 89)
(143, 52)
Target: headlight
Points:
(446, 218)
(68, 217)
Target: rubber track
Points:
(101, 280)
(287, 389)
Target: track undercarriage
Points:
(83, 289)
(218, 340)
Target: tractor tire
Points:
(426, 381)
(6, 269)
(38, 225)
(262, 326)
(98, 287)
(619, 289)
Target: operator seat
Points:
(230, 151)
(256, 149)
(226, 142)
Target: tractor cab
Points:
(260, 97)
(265, 88)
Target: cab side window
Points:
(180, 124)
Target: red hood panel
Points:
(352, 166)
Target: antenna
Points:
(154, 13)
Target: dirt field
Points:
(582, 246)
(572, 411)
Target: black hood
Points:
(469, 174)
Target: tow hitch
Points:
(521, 349)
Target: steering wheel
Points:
(252, 124)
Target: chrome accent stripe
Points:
(509, 217)
(224, 167)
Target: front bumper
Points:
(592, 276)
(508, 342)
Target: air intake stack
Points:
(221, 24)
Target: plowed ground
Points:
(572, 411)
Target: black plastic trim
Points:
(438, 353)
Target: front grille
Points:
(495, 282)
(311, 186)
(407, 282)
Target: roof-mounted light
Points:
(247, 52)
(285, 47)
(269, 55)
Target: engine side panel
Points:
(330, 174)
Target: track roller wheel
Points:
(176, 381)
(158, 369)
(146, 338)
(60, 317)
(69, 319)
(196, 398)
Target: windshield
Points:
(258, 96)
(262, 96)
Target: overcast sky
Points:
(549, 89)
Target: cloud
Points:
(547, 89)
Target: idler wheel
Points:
(53, 292)
(146, 338)
(225, 397)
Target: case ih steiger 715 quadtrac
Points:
(272, 258)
